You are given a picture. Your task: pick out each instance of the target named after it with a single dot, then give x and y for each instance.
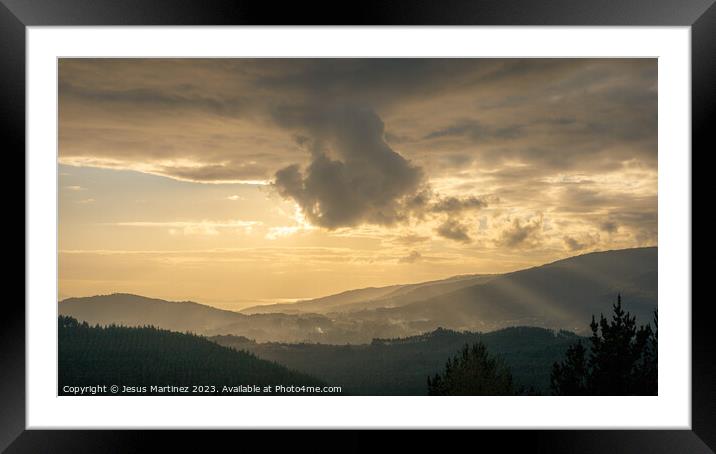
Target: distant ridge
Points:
(371, 297)
(562, 295)
(135, 310)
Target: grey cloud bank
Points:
(389, 142)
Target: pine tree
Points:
(472, 372)
(621, 359)
(647, 367)
(570, 378)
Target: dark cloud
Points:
(593, 119)
(380, 82)
(413, 257)
(454, 210)
(395, 139)
(458, 160)
(609, 226)
(457, 130)
(458, 204)
(553, 114)
(575, 199)
(417, 204)
(584, 242)
(521, 234)
(639, 219)
(505, 102)
(171, 98)
(453, 229)
(478, 132)
(354, 177)
(558, 121)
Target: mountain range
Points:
(559, 295)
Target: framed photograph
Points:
(465, 216)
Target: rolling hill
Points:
(371, 298)
(145, 357)
(562, 295)
(134, 310)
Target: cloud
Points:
(609, 226)
(638, 218)
(413, 257)
(583, 242)
(379, 82)
(75, 188)
(204, 227)
(183, 98)
(234, 197)
(388, 141)
(219, 173)
(477, 131)
(454, 204)
(411, 239)
(354, 176)
(282, 231)
(454, 230)
(548, 113)
(457, 160)
(85, 201)
(576, 199)
(521, 234)
(572, 244)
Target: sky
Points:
(236, 182)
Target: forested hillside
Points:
(146, 356)
(401, 366)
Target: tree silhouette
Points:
(472, 372)
(570, 377)
(622, 359)
(146, 356)
(646, 369)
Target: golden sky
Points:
(234, 182)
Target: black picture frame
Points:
(16, 15)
